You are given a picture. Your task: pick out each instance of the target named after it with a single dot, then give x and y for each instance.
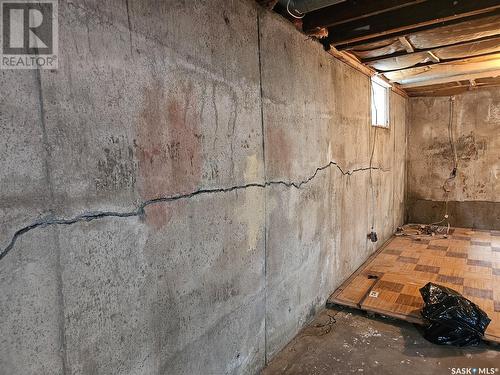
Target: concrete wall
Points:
(181, 196)
(317, 111)
(475, 193)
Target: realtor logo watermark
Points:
(29, 34)
(474, 370)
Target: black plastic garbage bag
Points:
(450, 318)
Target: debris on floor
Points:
(360, 344)
(421, 231)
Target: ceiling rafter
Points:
(433, 56)
(408, 46)
(351, 10)
(447, 79)
(447, 89)
(422, 73)
(493, 40)
(353, 42)
(419, 46)
(423, 14)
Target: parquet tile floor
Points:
(468, 261)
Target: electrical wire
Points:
(419, 232)
(299, 17)
(371, 178)
(371, 158)
(447, 187)
(450, 133)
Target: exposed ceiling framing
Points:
(424, 47)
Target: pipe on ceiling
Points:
(298, 8)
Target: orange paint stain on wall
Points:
(169, 148)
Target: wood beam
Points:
(447, 54)
(354, 63)
(433, 57)
(459, 51)
(351, 61)
(351, 10)
(446, 90)
(460, 77)
(408, 47)
(400, 62)
(447, 69)
(450, 91)
(419, 17)
(473, 48)
(476, 29)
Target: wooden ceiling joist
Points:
(447, 69)
(354, 63)
(441, 36)
(342, 40)
(446, 79)
(419, 47)
(454, 88)
(435, 55)
(351, 10)
(407, 45)
(400, 62)
(454, 50)
(466, 30)
(417, 15)
(392, 48)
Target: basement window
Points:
(380, 102)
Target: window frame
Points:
(373, 108)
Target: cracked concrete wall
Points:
(151, 99)
(159, 215)
(317, 109)
(475, 198)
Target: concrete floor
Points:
(342, 340)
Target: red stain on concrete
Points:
(279, 152)
(169, 148)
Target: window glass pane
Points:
(379, 105)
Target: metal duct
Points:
(300, 7)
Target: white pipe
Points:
(299, 7)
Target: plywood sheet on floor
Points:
(468, 261)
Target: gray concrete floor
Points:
(342, 340)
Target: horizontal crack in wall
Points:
(90, 216)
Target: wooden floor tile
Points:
(468, 261)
